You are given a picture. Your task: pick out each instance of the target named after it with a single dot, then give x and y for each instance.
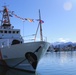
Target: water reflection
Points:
(58, 63)
(64, 56)
(8, 71)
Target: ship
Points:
(14, 52)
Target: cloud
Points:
(63, 40)
(67, 5)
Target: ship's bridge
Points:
(10, 37)
(9, 33)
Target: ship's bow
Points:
(24, 56)
(40, 50)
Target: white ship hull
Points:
(23, 56)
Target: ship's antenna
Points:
(41, 36)
(5, 17)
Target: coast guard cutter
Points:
(14, 53)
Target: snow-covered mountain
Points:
(64, 44)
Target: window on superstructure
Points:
(13, 31)
(17, 32)
(5, 31)
(9, 31)
(1, 31)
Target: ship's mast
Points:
(5, 17)
(41, 36)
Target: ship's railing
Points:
(32, 38)
(5, 27)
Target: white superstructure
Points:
(8, 35)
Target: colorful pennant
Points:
(28, 19)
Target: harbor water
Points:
(53, 63)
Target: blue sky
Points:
(59, 17)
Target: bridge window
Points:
(1, 31)
(9, 31)
(17, 31)
(5, 31)
(13, 31)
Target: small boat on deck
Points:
(14, 52)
